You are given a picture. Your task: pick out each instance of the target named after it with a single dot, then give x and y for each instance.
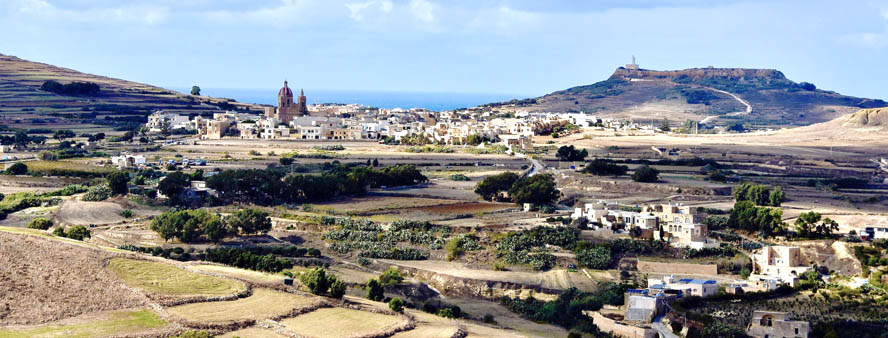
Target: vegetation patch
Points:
(166, 279)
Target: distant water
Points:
(380, 99)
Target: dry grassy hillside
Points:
(23, 103)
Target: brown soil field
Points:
(466, 208)
(75, 212)
(262, 304)
(378, 203)
(253, 332)
(340, 323)
(552, 279)
(43, 280)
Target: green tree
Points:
(646, 174)
(250, 221)
(62, 134)
(337, 288)
(491, 186)
(17, 168)
(195, 90)
(570, 153)
(174, 184)
(397, 305)
(315, 280)
(215, 230)
(777, 197)
(603, 167)
(118, 181)
(59, 231)
(720, 330)
(664, 125)
(375, 290)
(538, 189)
(40, 223)
(79, 233)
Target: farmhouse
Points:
(768, 324)
(778, 263)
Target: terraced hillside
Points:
(641, 94)
(23, 103)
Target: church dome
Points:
(285, 91)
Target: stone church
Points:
(287, 109)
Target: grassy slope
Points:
(113, 323)
(262, 304)
(166, 279)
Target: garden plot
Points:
(165, 279)
(340, 322)
(262, 304)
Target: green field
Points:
(262, 304)
(114, 323)
(166, 279)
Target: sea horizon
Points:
(436, 101)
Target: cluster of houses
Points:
(298, 121)
(675, 223)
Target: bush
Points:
(245, 259)
(190, 225)
(40, 223)
(397, 305)
(337, 288)
(570, 153)
(17, 168)
(126, 213)
(97, 193)
(318, 282)
(597, 257)
(195, 334)
(118, 182)
(375, 290)
(79, 233)
(603, 167)
(286, 160)
(646, 174)
(391, 276)
(460, 177)
(59, 231)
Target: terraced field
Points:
(98, 325)
(340, 322)
(249, 275)
(165, 279)
(263, 304)
(253, 332)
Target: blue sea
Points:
(381, 99)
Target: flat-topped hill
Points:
(755, 97)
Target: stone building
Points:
(780, 263)
(287, 109)
(768, 324)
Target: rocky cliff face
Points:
(700, 73)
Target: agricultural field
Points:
(165, 279)
(340, 323)
(92, 325)
(262, 304)
(249, 275)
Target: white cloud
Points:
(423, 10)
(140, 14)
(357, 10)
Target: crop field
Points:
(374, 203)
(46, 166)
(262, 304)
(253, 332)
(465, 208)
(100, 325)
(166, 279)
(340, 322)
(250, 275)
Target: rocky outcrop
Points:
(866, 118)
(699, 73)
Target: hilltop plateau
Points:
(757, 97)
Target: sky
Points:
(520, 47)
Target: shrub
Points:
(603, 167)
(597, 257)
(391, 276)
(286, 160)
(318, 282)
(375, 290)
(79, 233)
(195, 334)
(40, 223)
(126, 213)
(570, 153)
(118, 182)
(646, 174)
(97, 193)
(337, 288)
(397, 305)
(59, 231)
(17, 168)
(460, 178)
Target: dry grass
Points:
(44, 280)
(65, 165)
(340, 322)
(253, 332)
(98, 325)
(466, 208)
(165, 279)
(249, 275)
(262, 304)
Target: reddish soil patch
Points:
(465, 208)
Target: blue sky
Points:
(472, 46)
